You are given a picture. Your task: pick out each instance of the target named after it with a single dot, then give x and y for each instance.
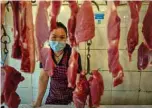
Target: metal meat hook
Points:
(96, 5)
(33, 1)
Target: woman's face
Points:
(58, 34)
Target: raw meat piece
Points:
(11, 81)
(16, 47)
(14, 100)
(23, 47)
(85, 26)
(139, 4)
(27, 38)
(73, 68)
(147, 26)
(113, 53)
(81, 91)
(132, 39)
(72, 22)
(2, 82)
(42, 29)
(55, 10)
(143, 56)
(2, 12)
(116, 3)
(47, 61)
(96, 88)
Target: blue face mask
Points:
(57, 46)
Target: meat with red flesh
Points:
(16, 47)
(2, 12)
(150, 57)
(14, 100)
(27, 38)
(113, 53)
(73, 68)
(132, 39)
(72, 22)
(96, 88)
(116, 3)
(47, 61)
(55, 10)
(85, 25)
(81, 92)
(147, 26)
(143, 56)
(42, 29)
(139, 4)
(2, 83)
(11, 81)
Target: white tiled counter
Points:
(102, 106)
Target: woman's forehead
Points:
(59, 32)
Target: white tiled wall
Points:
(137, 86)
(131, 82)
(124, 97)
(145, 98)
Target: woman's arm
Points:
(43, 81)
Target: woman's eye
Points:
(61, 37)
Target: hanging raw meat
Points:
(55, 10)
(132, 39)
(147, 26)
(47, 61)
(2, 12)
(73, 68)
(81, 91)
(96, 89)
(143, 56)
(113, 53)
(11, 81)
(139, 4)
(16, 47)
(42, 29)
(72, 22)
(2, 79)
(85, 26)
(27, 38)
(117, 3)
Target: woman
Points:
(59, 93)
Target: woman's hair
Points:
(61, 25)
